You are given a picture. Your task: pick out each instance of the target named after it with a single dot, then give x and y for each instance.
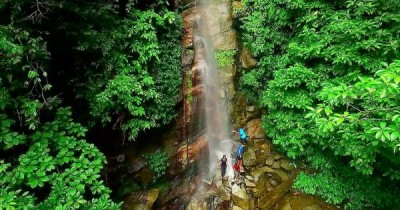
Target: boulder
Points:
(247, 59)
(254, 128)
(249, 158)
(249, 178)
(267, 169)
(285, 164)
(273, 182)
(196, 205)
(236, 208)
(265, 147)
(270, 198)
(280, 175)
(269, 161)
(144, 176)
(240, 197)
(261, 186)
(174, 192)
(277, 157)
(276, 165)
(287, 207)
(152, 196)
(141, 200)
(261, 156)
(249, 183)
(259, 142)
(223, 193)
(257, 173)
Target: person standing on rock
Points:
(242, 134)
(222, 163)
(239, 155)
(236, 170)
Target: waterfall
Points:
(216, 104)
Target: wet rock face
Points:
(144, 176)
(189, 18)
(141, 200)
(249, 159)
(240, 197)
(247, 60)
(244, 112)
(223, 193)
(219, 29)
(261, 187)
(254, 129)
(191, 153)
(187, 57)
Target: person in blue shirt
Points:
(239, 155)
(242, 134)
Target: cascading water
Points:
(216, 103)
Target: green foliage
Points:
(371, 105)
(45, 163)
(157, 162)
(57, 160)
(225, 58)
(139, 79)
(318, 80)
(122, 59)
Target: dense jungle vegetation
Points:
(329, 82)
(327, 79)
(66, 66)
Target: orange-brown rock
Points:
(254, 128)
(192, 152)
(195, 91)
(189, 17)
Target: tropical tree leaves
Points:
(322, 92)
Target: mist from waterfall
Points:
(216, 99)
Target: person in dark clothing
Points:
(223, 165)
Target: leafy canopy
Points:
(117, 60)
(326, 101)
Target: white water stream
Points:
(218, 126)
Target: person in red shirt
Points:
(236, 168)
